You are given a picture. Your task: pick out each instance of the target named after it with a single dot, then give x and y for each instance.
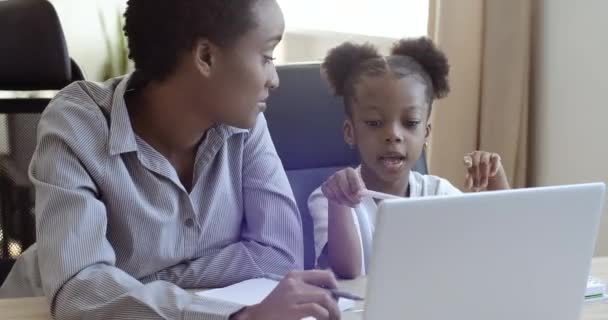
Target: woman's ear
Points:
(203, 54)
(349, 133)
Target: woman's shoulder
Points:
(75, 125)
(80, 108)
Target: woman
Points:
(167, 178)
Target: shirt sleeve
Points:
(76, 260)
(445, 188)
(318, 208)
(273, 226)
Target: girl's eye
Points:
(373, 123)
(413, 123)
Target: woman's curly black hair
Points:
(159, 30)
(345, 64)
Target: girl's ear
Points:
(349, 133)
(427, 133)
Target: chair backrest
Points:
(305, 122)
(33, 57)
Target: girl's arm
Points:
(343, 243)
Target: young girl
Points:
(388, 103)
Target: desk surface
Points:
(37, 308)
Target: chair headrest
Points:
(33, 52)
(305, 120)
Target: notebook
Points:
(253, 291)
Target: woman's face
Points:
(242, 74)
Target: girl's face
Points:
(389, 125)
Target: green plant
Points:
(117, 58)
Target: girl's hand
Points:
(484, 171)
(344, 188)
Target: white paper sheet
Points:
(253, 291)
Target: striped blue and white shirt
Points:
(119, 237)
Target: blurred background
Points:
(528, 77)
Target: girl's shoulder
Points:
(425, 185)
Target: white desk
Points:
(37, 308)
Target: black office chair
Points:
(305, 122)
(33, 57)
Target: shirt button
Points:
(189, 222)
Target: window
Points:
(383, 18)
(315, 26)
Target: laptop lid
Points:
(519, 254)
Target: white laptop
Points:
(520, 254)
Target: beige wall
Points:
(570, 119)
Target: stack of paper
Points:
(595, 289)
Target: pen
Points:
(379, 195)
(335, 292)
